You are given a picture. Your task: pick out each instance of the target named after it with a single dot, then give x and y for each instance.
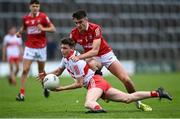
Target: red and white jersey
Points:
(35, 37)
(12, 44)
(86, 38)
(77, 69)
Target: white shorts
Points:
(107, 59)
(36, 54)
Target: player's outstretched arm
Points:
(77, 84)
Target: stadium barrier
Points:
(51, 65)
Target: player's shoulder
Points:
(27, 16)
(42, 14)
(93, 25)
(63, 59)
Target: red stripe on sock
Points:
(154, 94)
(97, 107)
(22, 91)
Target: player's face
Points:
(65, 50)
(34, 8)
(81, 24)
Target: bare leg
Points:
(41, 66)
(26, 67)
(117, 69)
(92, 96)
(119, 96)
(17, 68)
(94, 64)
(12, 78)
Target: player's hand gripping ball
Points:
(51, 81)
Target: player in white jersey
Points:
(12, 52)
(96, 85)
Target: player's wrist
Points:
(20, 31)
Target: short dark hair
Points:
(34, 2)
(79, 14)
(68, 41)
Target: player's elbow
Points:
(79, 85)
(53, 29)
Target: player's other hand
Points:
(40, 27)
(41, 76)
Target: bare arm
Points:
(56, 72)
(93, 52)
(20, 31)
(77, 84)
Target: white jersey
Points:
(77, 69)
(12, 43)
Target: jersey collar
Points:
(87, 26)
(70, 54)
(32, 15)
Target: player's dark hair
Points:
(68, 41)
(79, 14)
(34, 2)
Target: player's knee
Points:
(92, 65)
(128, 99)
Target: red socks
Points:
(154, 94)
(97, 107)
(22, 91)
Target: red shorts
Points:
(98, 81)
(13, 59)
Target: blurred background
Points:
(146, 32)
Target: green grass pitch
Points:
(70, 104)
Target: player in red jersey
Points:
(12, 52)
(98, 53)
(97, 87)
(35, 24)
